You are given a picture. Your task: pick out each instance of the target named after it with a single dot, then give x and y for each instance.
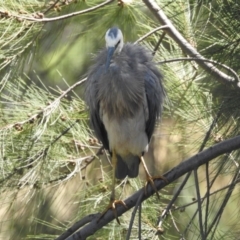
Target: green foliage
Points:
(48, 175)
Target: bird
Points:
(125, 95)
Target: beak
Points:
(110, 52)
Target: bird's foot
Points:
(150, 180)
(112, 205)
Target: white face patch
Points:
(113, 39)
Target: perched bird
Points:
(125, 95)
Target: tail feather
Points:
(129, 166)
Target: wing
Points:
(94, 106)
(99, 127)
(154, 95)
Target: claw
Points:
(112, 205)
(150, 180)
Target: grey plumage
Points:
(125, 95)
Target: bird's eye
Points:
(117, 44)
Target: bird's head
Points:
(114, 43)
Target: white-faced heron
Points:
(125, 95)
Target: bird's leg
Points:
(114, 163)
(151, 179)
(113, 201)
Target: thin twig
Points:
(150, 33)
(199, 203)
(51, 6)
(204, 60)
(91, 158)
(174, 198)
(224, 203)
(158, 44)
(175, 224)
(208, 197)
(139, 221)
(43, 20)
(138, 203)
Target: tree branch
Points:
(77, 225)
(184, 44)
(175, 173)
